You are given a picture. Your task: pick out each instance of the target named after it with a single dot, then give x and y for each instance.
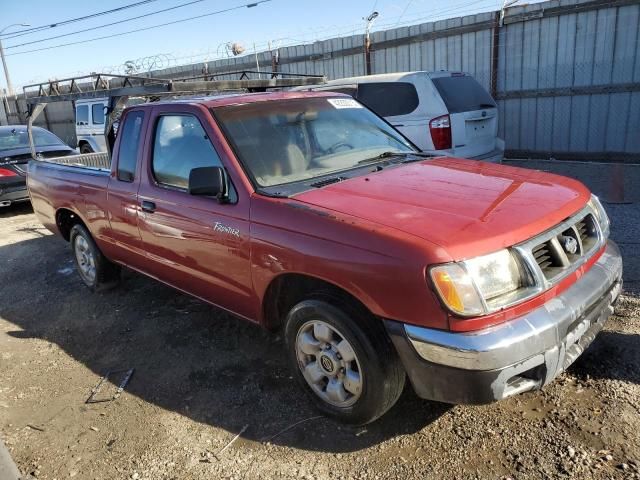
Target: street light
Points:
(367, 43)
(4, 62)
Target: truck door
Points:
(97, 125)
(83, 129)
(193, 243)
(123, 243)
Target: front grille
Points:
(542, 254)
(566, 246)
(582, 229)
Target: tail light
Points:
(440, 128)
(7, 173)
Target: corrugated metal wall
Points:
(570, 83)
(566, 73)
(445, 45)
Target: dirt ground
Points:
(201, 377)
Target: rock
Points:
(571, 451)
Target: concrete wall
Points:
(565, 73)
(57, 117)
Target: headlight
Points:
(601, 215)
(481, 285)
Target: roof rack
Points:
(107, 85)
(120, 87)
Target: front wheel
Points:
(94, 269)
(344, 359)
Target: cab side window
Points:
(180, 145)
(97, 113)
(82, 115)
(129, 145)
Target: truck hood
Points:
(467, 207)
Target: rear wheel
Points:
(94, 269)
(342, 356)
(86, 148)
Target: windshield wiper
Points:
(383, 155)
(418, 157)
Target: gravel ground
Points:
(202, 376)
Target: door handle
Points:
(148, 206)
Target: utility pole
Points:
(6, 70)
(275, 58)
(367, 42)
(4, 62)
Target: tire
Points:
(97, 273)
(86, 148)
(372, 381)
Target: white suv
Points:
(446, 113)
(90, 117)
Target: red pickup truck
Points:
(308, 213)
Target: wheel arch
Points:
(289, 288)
(66, 219)
(90, 142)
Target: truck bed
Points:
(99, 161)
(77, 182)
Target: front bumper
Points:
(517, 356)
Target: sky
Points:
(281, 22)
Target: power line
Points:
(404, 11)
(247, 5)
(350, 29)
(106, 24)
(333, 31)
(27, 31)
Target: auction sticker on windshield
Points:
(344, 103)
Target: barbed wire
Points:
(509, 39)
(284, 40)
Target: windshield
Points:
(287, 141)
(15, 138)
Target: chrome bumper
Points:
(524, 353)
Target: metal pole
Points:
(367, 53)
(274, 60)
(505, 4)
(367, 42)
(5, 104)
(4, 62)
(33, 114)
(495, 55)
(6, 70)
(255, 52)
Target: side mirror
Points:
(210, 182)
